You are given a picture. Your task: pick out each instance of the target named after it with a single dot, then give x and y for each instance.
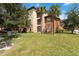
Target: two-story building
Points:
(43, 23)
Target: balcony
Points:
(38, 21)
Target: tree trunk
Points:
(53, 27)
(72, 30)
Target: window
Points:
(39, 21)
(48, 19)
(49, 28)
(39, 29)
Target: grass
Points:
(36, 44)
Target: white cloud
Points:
(63, 16)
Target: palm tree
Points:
(41, 11)
(54, 12)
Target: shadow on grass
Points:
(68, 33)
(64, 32)
(6, 40)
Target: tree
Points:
(73, 17)
(54, 12)
(65, 23)
(40, 12)
(2, 15)
(11, 13)
(23, 20)
(16, 15)
(11, 16)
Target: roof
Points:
(31, 8)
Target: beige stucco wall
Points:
(43, 21)
(33, 17)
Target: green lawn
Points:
(37, 44)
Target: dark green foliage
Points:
(15, 15)
(72, 21)
(54, 12)
(73, 18)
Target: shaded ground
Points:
(44, 45)
(6, 41)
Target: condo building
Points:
(42, 23)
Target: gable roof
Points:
(31, 8)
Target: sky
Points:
(63, 9)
